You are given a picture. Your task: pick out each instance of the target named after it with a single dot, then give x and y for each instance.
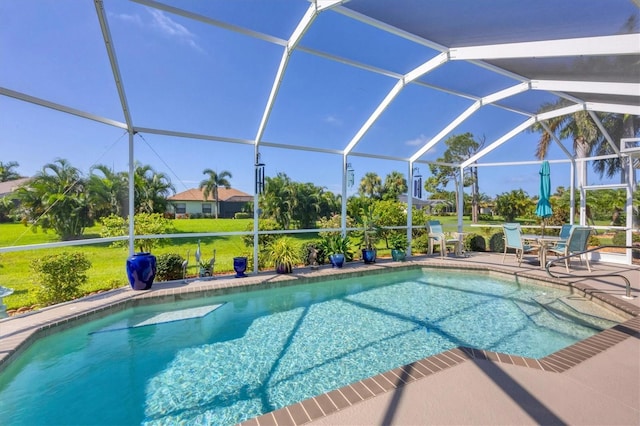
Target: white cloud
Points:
(419, 141)
(332, 119)
(134, 19)
(172, 29)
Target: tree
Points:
(512, 204)
(371, 186)
(210, 186)
(7, 173)
(394, 185)
(56, 198)
(107, 192)
(459, 148)
(151, 190)
(390, 213)
(144, 224)
(298, 204)
(275, 201)
(587, 138)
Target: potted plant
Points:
(370, 234)
(398, 247)
(337, 248)
(284, 254)
(206, 268)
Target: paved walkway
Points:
(596, 381)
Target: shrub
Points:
(144, 223)
(474, 242)
(242, 215)
(593, 241)
(60, 276)
(496, 242)
(169, 267)
(263, 240)
(620, 238)
(420, 244)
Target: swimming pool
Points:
(229, 358)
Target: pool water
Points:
(226, 359)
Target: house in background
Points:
(191, 203)
(430, 206)
(10, 186)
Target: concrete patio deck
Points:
(596, 381)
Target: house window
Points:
(181, 208)
(206, 208)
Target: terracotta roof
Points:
(224, 194)
(11, 185)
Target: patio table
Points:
(544, 242)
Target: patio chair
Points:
(513, 240)
(565, 231)
(437, 236)
(577, 243)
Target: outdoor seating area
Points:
(576, 243)
(443, 240)
(515, 240)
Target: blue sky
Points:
(186, 76)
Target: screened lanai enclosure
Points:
(318, 89)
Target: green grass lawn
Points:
(108, 262)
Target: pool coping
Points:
(13, 343)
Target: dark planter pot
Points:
(240, 265)
(283, 269)
(337, 260)
(636, 253)
(369, 255)
(141, 270)
(205, 272)
(398, 255)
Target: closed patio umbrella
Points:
(543, 209)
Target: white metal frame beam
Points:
(494, 97)
(609, 88)
(62, 108)
(523, 126)
(622, 44)
(411, 76)
(113, 61)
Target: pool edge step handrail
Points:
(625, 279)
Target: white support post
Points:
(256, 214)
(572, 196)
(132, 195)
(461, 199)
(629, 210)
(409, 208)
(343, 217)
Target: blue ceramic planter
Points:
(337, 260)
(240, 265)
(141, 270)
(369, 255)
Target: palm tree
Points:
(151, 189)
(371, 186)
(56, 199)
(394, 185)
(107, 193)
(275, 201)
(587, 139)
(210, 186)
(6, 172)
